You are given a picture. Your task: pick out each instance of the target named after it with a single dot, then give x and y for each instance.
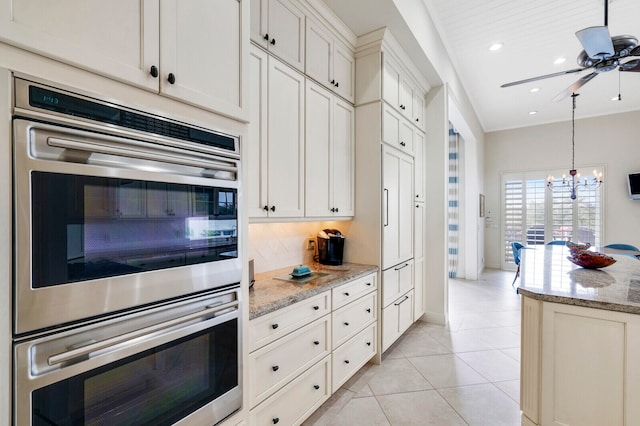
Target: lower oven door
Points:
(158, 367)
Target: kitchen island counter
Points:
(272, 292)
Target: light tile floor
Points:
(466, 373)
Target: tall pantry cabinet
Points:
(388, 229)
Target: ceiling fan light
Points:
(533, 112)
(559, 61)
(496, 46)
(534, 90)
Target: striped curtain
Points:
(454, 146)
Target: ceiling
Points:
(534, 33)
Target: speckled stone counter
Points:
(547, 275)
(270, 293)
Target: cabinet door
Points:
(131, 199)
(116, 38)
(418, 289)
(286, 32)
(397, 198)
(254, 152)
(157, 202)
(344, 71)
(319, 47)
(396, 319)
(406, 98)
(343, 159)
(204, 46)
(319, 128)
(419, 161)
(418, 109)
(259, 22)
(391, 82)
(419, 220)
(391, 121)
(406, 136)
(286, 144)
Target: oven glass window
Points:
(86, 227)
(156, 387)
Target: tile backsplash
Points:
(279, 245)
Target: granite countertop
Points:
(546, 274)
(269, 293)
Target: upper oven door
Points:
(106, 223)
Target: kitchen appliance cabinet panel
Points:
(125, 54)
(276, 364)
(275, 154)
(329, 61)
(204, 45)
(143, 42)
(350, 319)
(396, 281)
(419, 161)
(418, 288)
(397, 199)
(279, 27)
(267, 328)
(396, 319)
(295, 402)
(330, 127)
(351, 291)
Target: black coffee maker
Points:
(330, 247)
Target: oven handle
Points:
(93, 347)
(105, 148)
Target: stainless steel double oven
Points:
(127, 270)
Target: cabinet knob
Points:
(369, 284)
(273, 208)
(346, 324)
(265, 208)
(275, 368)
(368, 343)
(273, 41)
(368, 310)
(316, 387)
(172, 78)
(276, 420)
(337, 210)
(333, 210)
(337, 84)
(274, 326)
(153, 71)
(316, 342)
(316, 307)
(333, 82)
(403, 144)
(266, 37)
(417, 120)
(346, 294)
(346, 361)
(401, 106)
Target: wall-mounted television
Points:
(634, 186)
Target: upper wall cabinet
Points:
(400, 92)
(193, 51)
(278, 26)
(329, 61)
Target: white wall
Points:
(613, 141)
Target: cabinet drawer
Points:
(396, 319)
(292, 404)
(264, 330)
(396, 281)
(353, 290)
(351, 356)
(274, 365)
(352, 318)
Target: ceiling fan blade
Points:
(631, 66)
(541, 77)
(574, 87)
(635, 51)
(596, 41)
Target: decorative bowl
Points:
(577, 247)
(591, 259)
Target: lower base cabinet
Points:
(396, 319)
(353, 355)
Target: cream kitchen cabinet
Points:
(419, 219)
(275, 154)
(192, 51)
(419, 161)
(396, 319)
(396, 281)
(278, 26)
(397, 205)
(330, 138)
(401, 93)
(329, 61)
(396, 130)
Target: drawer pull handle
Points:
(316, 387)
(368, 310)
(346, 361)
(276, 420)
(274, 326)
(347, 324)
(401, 267)
(316, 342)
(316, 307)
(402, 301)
(275, 368)
(346, 294)
(368, 343)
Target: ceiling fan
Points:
(602, 53)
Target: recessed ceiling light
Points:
(496, 46)
(615, 98)
(535, 89)
(533, 112)
(559, 61)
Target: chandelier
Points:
(574, 182)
